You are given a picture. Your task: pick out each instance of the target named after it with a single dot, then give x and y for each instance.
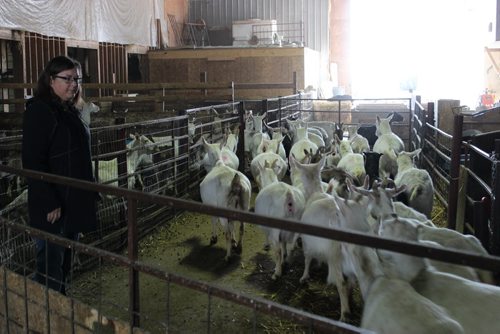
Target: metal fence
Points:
(465, 176)
(172, 181)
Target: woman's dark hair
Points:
(55, 66)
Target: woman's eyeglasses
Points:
(69, 80)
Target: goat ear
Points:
(366, 183)
(376, 228)
(378, 119)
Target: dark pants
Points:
(53, 263)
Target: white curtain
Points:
(434, 47)
(114, 21)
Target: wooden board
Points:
(241, 65)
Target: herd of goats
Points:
(316, 173)
(308, 171)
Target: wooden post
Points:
(430, 114)
(204, 79)
(294, 78)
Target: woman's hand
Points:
(54, 215)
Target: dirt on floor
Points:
(182, 247)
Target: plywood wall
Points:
(492, 70)
(241, 65)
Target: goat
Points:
(302, 144)
(280, 166)
(352, 163)
(227, 188)
(419, 188)
(474, 305)
(321, 209)
(372, 160)
(86, 109)
(369, 131)
(139, 152)
(280, 200)
(393, 305)
(216, 151)
(358, 143)
(386, 143)
(274, 145)
(390, 305)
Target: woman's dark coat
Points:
(56, 141)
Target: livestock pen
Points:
(464, 170)
(18, 304)
(169, 186)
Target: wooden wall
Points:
(241, 65)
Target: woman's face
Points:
(65, 84)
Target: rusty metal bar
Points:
(320, 324)
(454, 170)
(410, 248)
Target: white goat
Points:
(392, 305)
(256, 136)
(388, 144)
(322, 210)
(452, 239)
(474, 305)
(216, 151)
(352, 163)
(302, 145)
(278, 164)
(279, 200)
(86, 109)
(419, 187)
(139, 153)
(380, 207)
(358, 143)
(227, 188)
(273, 145)
(231, 139)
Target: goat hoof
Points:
(237, 248)
(299, 243)
(213, 240)
(345, 317)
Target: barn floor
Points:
(183, 248)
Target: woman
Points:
(55, 140)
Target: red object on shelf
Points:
(487, 100)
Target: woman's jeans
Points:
(54, 261)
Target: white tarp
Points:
(114, 21)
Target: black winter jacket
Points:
(56, 141)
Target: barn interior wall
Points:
(492, 70)
(241, 65)
(66, 314)
(339, 44)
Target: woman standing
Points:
(55, 140)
